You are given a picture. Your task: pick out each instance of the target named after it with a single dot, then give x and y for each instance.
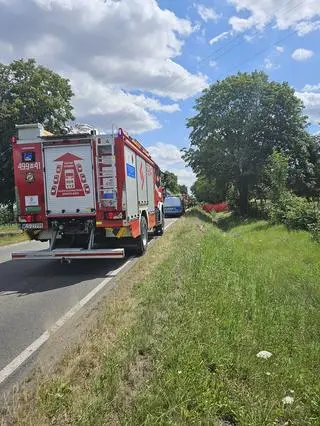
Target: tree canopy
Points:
(29, 93)
(206, 190)
(170, 182)
(240, 121)
(183, 189)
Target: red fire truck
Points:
(87, 194)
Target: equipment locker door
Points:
(142, 181)
(131, 183)
(69, 179)
(150, 187)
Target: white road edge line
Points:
(24, 355)
(31, 349)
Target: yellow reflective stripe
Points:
(121, 232)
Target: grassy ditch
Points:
(10, 234)
(179, 337)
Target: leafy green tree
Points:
(170, 182)
(183, 189)
(205, 190)
(29, 93)
(304, 169)
(239, 122)
(276, 175)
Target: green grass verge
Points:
(12, 239)
(181, 346)
(11, 234)
(201, 214)
(9, 228)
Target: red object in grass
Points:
(218, 207)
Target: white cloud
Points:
(47, 46)
(249, 38)
(197, 27)
(185, 176)
(219, 37)
(107, 106)
(84, 40)
(241, 24)
(206, 13)
(311, 88)
(270, 65)
(270, 61)
(168, 157)
(285, 14)
(311, 102)
(165, 154)
(213, 64)
(306, 27)
(302, 54)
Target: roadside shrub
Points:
(257, 210)
(5, 215)
(233, 199)
(295, 212)
(314, 229)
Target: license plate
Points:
(32, 225)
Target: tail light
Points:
(29, 218)
(113, 215)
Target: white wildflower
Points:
(288, 400)
(264, 354)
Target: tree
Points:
(183, 189)
(29, 93)
(304, 169)
(239, 122)
(276, 173)
(170, 182)
(205, 190)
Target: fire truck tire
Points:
(142, 240)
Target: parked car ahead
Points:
(173, 206)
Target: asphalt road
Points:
(34, 294)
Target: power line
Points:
(260, 52)
(240, 38)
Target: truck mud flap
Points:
(70, 254)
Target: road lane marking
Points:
(31, 349)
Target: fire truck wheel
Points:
(142, 241)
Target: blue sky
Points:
(139, 64)
(270, 49)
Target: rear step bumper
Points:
(70, 254)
